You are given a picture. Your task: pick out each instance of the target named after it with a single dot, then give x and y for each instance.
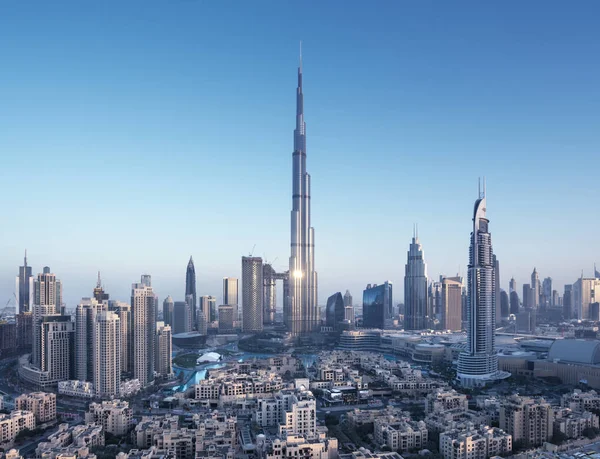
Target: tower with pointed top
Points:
(478, 363)
(190, 289)
(302, 311)
(415, 286)
(99, 294)
(24, 286)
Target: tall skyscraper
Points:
(164, 349)
(568, 302)
(514, 302)
(123, 310)
(226, 318)
(205, 313)
(190, 289)
(347, 298)
(57, 341)
(107, 354)
(99, 295)
(547, 292)
(181, 314)
(415, 287)
(512, 285)
(143, 320)
(23, 287)
(377, 305)
(527, 296)
(335, 312)
(85, 335)
(168, 306)
(252, 294)
(303, 310)
(504, 304)
(585, 292)
(497, 291)
(451, 316)
(230, 295)
(535, 287)
(45, 298)
(478, 363)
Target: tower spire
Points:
(25, 257)
(300, 56)
(99, 283)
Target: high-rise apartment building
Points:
(107, 354)
(377, 305)
(226, 318)
(41, 404)
(451, 303)
(164, 349)
(190, 289)
(168, 307)
(46, 301)
(123, 310)
(415, 288)
(568, 302)
(535, 287)
(478, 363)
(252, 294)
(230, 295)
(143, 320)
(57, 348)
(85, 336)
(527, 296)
(585, 292)
(302, 311)
(24, 286)
(205, 313)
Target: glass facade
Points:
(377, 305)
(335, 311)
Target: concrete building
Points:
(143, 319)
(13, 423)
(230, 295)
(573, 424)
(528, 420)
(41, 404)
(535, 289)
(481, 443)
(399, 433)
(443, 400)
(107, 354)
(85, 335)
(585, 292)
(451, 317)
(252, 294)
(168, 308)
(226, 318)
(115, 416)
(123, 310)
(164, 349)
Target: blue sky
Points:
(136, 133)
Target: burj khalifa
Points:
(302, 312)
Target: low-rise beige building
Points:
(41, 404)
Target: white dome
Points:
(209, 357)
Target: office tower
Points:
(190, 289)
(85, 335)
(164, 349)
(303, 311)
(269, 294)
(252, 294)
(23, 287)
(99, 295)
(556, 300)
(497, 290)
(226, 318)
(189, 299)
(514, 302)
(535, 287)
(585, 291)
(529, 420)
(568, 302)
(146, 280)
(230, 295)
(24, 331)
(478, 363)
(349, 316)
(57, 341)
(451, 316)
(527, 296)
(377, 304)
(547, 292)
(434, 307)
(415, 287)
(107, 354)
(208, 305)
(123, 310)
(143, 321)
(512, 285)
(204, 313)
(335, 311)
(168, 306)
(181, 314)
(347, 298)
(504, 304)
(45, 297)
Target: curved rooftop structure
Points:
(581, 351)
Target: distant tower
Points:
(226, 318)
(85, 335)
(107, 354)
(535, 287)
(164, 349)
(377, 305)
(181, 314)
(512, 285)
(99, 294)
(478, 363)
(230, 295)
(568, 302)
(335, 312)
(451, 317)
(190, 289)
(168, 306)
(347, 298)
(23, 285)
(205, 313)
(146, 280)
(252, 294)
(45, 298)
(143, 319)
(514, 302)
(415, 287)
(123, 310)
(302, 312)
(547, 292)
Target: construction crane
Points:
(252, 253)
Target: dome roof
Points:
(209, 357)
(576, 350)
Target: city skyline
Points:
(398, 102)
